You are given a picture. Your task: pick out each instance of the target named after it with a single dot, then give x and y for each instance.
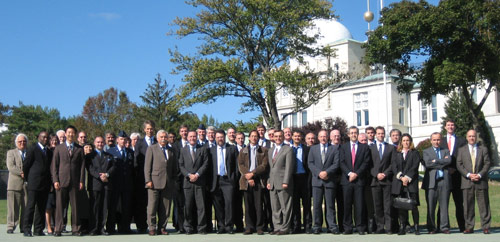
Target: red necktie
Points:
(449, 143)
(275, 153)
(353, 154)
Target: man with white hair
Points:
(133, 140)
(61, 136)
(16, 189)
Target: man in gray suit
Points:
(280, 183)
(159, 173)
(193, 164)
(437, 181)
(324, 162)
(16, 191)
(473, 163)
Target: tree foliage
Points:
(246, 47)
(329, 125)
(458, 40)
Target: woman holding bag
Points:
(405, 164)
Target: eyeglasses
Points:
(21, 141)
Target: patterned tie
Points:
(353, 154)
(473, 158)
(439, 173)
(222, 165)
(70, 150)
(23, 155)
(151, 141)
(164, 149)
(380, 150)
(275, 153)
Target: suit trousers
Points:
(158, 203)
(195, 198)
(16, 202)
(354, 194)
(237, 206)
(329, 196)
(62, 196)
(254, 217)
(179, 202)
(369, 216)
(223, 201)
(339, 198)
(140, 203)
(403, 213)
(99, 210)
(440, 193)
(122, 198)
(267, 210)
(382, 200)
(483, 202)
(37, 201)
(281, 204)
(301, 192)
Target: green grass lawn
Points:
(494, 192)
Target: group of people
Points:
(119, 180)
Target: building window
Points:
(294, 120)
(429, 111)
(285, 92)
(361, 109)
(401, 110)
(304, 118)
(285, 122)
(434, 109)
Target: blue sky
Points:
(57, 53)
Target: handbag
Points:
(404, 203)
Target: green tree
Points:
(160, 103)
(458, 41)
(247, 45)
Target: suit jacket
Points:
(459, 142)
(160, 170)
(188, 166)
(124, 169)
(410, 169)
(100, 164)
(15, 167)
(432, 167)
(260, 174)
(68, 170)
(361, 163)
(282, 167)
(331, 165)
(140, 155)
(381, 165)
(36, 168)
(230, 164)
(267, 144)
(464, 166)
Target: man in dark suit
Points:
(101, 170)
(193, 164)
(211, 137)
(221, 181)
(437, 181)
(160, 176)
(140, 197)
(339, 194)
(473, 163)
(354, 163)
(302, 188)
(179, 201)
(262, 134)
(253, 167)
(324, 162)
(237, 194)
(36, 168)
(122, 186)
(452, 142)
(68, 176)
(280, 183)
(381, 174)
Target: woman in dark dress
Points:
(405, 165)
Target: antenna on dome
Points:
(368, 16)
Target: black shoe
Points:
(417, 231)
(39, 233)
(142, 231)
(230, 231)
(362, 232)
(64, 230)
(77, 234)
(335, 231)
(202, 232)
(57, 234)
(10, 231)
(346, 232)
(380, 231)
(221, 231)
(189, 232)
(316, 231)
(27, 234)
(309, 231)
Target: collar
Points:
(41, 146)
(70, 144)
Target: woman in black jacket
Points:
(405, 165)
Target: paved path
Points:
(454, 237)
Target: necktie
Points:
(70, 150)
(44, 150)
(473, 158)
(380, 150)
(23, 155)
(123, 154)
(222, 165)
(323, 154)
(164, 149)
(439, 173)
(252, 158)
(353, 154)
(449, 143)
(438, 155)
(151, 141)
(192, 153)
(275, 153)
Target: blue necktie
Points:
(380, 150)
(222, 169)
(439, 173)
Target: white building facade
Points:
(371, 97)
